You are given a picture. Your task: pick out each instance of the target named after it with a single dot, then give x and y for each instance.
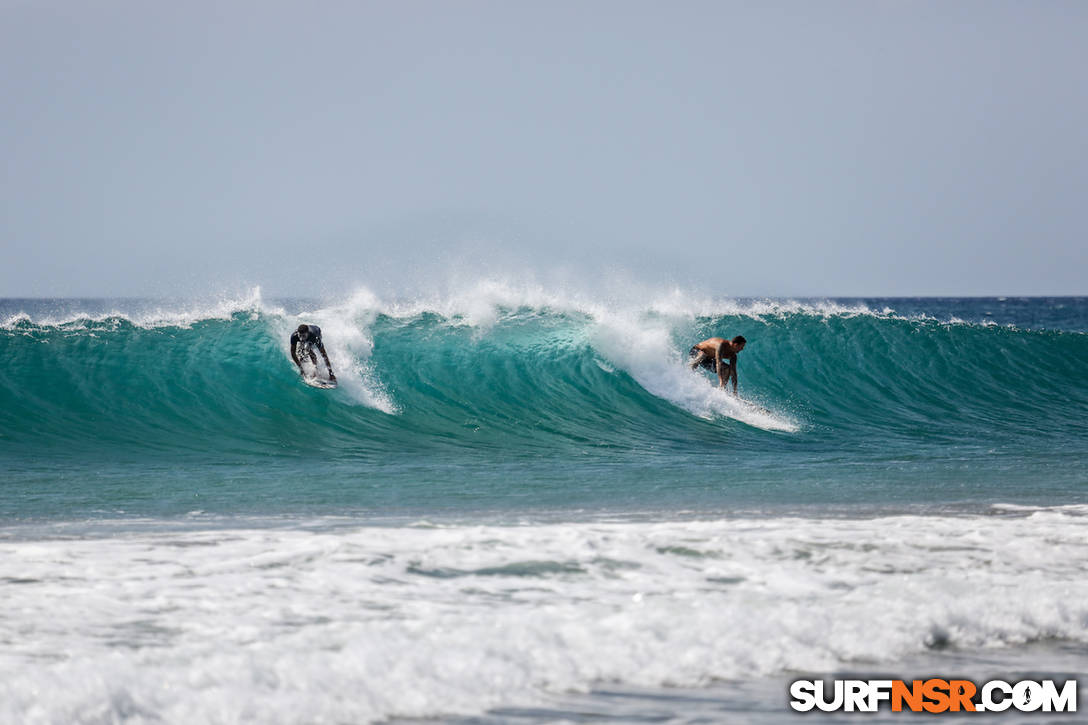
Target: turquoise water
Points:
(150, 408)
(521, 506)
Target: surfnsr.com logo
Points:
(933, 695)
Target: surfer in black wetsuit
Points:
(303, 342)
(718, 355)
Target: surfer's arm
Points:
(328, 365)
(294, 356)
(718, 367)
(733, 371)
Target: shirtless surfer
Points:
(718, 355)
(303, 341)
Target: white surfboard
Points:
(316, 381)
(319, 383)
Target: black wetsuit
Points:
(307, 345)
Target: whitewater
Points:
(522, 506)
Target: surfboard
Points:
(316, 382)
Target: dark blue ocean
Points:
(521, 505)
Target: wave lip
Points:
(75, 315)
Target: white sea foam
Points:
(482, 302)
(345, 624)
(479, 303)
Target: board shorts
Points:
(708, 360)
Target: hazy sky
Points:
(745, 148)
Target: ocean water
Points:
(521, 506)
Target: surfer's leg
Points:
(698, 357)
